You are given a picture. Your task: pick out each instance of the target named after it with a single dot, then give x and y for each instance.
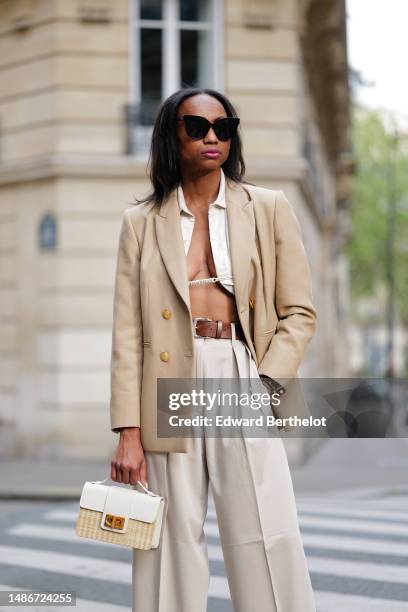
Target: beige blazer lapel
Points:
(241, 227)
(171, 246)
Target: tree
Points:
(381, 174)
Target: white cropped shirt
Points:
(218, 228)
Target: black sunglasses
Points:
(197, 127)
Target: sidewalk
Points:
(47, 478)
(357, 466)
(338, 467)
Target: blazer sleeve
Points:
(293, 297)
(127, 344)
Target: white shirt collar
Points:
(220, 199)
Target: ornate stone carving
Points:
(259, 13)
(21, 14)
(95, 10)
(324, 50)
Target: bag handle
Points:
(138, 482)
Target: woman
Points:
(212, 281)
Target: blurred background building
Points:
(80, 83)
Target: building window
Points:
(48, 232)
(173, 44)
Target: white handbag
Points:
(120, 515)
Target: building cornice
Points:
(258, 170)
(323, 36)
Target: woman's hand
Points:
(128, 464)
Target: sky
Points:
(378, 48)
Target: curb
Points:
(50, 493)
(74, 493)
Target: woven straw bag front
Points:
(119, 515)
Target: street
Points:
(357, 552)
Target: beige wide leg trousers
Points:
(256, 512)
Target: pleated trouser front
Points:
(256, 512)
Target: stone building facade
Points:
(79, 81)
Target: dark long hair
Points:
(163, 158)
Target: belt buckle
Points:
(195, 320)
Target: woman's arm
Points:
(293, 297)
(127, 333)
(128, 463)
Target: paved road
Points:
(357, 552)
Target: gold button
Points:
(252, 302)
(164, 356)
(166, 313)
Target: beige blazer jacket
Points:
(152, 335)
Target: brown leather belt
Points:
(217, 329)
